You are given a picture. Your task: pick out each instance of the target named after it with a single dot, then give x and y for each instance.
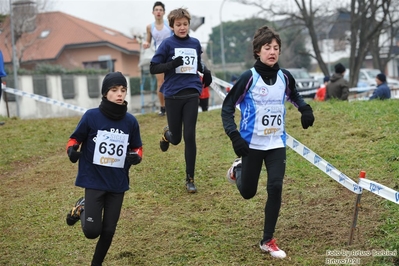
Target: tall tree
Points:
(383, 47)
(238, 37)
(24, 16)
(366, 20)
(299, 17)
(364, 29)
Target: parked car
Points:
(367, 78)
(305, 83)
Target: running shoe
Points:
(74, 215)
(273, 249)
(164, 143)
(231, 175)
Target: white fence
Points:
(81, 95)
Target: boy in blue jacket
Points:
(110, 142)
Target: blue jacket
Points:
(382, 92)
(2, 70)
(175, 82)
(98, 177)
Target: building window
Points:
(44, 33)
(40, 85)
(67, 86)
(9, 84)
(93, 86)
(108, 64)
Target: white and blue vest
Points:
(263, 112)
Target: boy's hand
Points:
(133, 158)
(307, 117)
(178, 61)
(207, 78)
(240, 146)
(73, 153)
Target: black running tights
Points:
(248, 183)
(99, 218)
(183, 112)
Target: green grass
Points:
(161, 224)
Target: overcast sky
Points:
(124, 15)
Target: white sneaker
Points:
(231, 173)
(273, 249)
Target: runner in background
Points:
(159, 31)
(204, 98)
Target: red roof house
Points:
(61, 39)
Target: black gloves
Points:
(307, 117)
(133, 158)
(207, 78)
(73, 153)
(240, 146)
(178, 61)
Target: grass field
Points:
(161, 224)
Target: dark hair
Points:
(178, 14)
(382, 77)
(264, 35)
(158, 4)
(339, 68)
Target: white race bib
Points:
(270, 120)
(110, 149)
(190, 60)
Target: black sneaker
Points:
(162, 111)
(190, 186)
(74, 215)
(164, 143)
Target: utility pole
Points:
(222, 42)
(14, 57)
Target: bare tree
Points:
(24, 20)
(366, 21)
(382, 46)
(301, 15)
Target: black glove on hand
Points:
(307, 117)
(207, 78)
(133, 158)
(178, 61)
(240, 146)
(73, 153)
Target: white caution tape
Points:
(45, 100)
(323, 165)
(294, 144)
(380, 190)
(221, 82)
